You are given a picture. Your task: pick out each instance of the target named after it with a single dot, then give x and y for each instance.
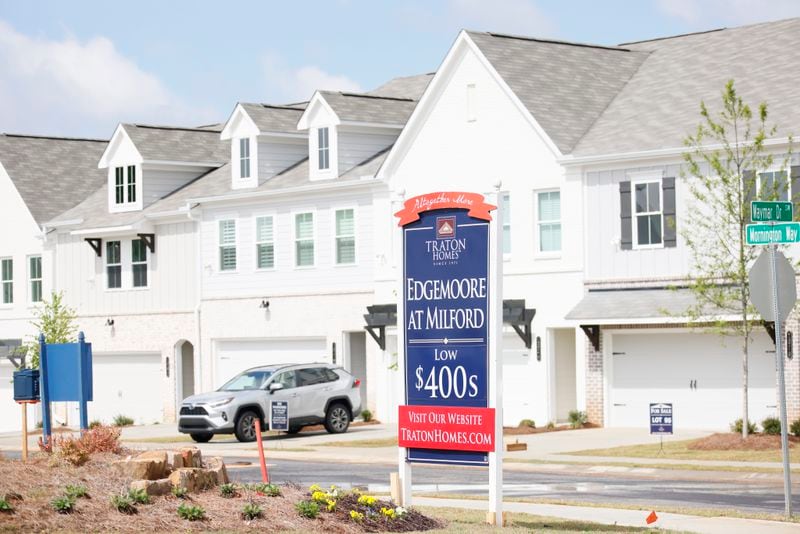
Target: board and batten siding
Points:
(171, 277)
(605, 258)
(276, 154)
(324, 277)
(356, 145)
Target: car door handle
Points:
(293, 395)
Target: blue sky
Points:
(79, 68)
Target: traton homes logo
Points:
(473, 202)
(445, 227)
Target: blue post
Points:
(46, 424)
(81, 382)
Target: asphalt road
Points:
(617, 488)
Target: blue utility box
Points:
(26, 385)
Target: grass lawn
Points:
(473, 521)
(366, 443)
(678, 450)
(675, 467)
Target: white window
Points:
(505, 207)
(120, 188)
(139, 262)
(7, 280)
(345, 237)
(304, 240)
(227, 245)
(773, 185)
(265, 243)
(471, 117)
(323, 149)
(549, 221)
(244, 158)
(648, 212)
(113, 265)
(35, 278)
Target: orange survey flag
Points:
(652, 518)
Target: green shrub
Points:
(63, 505)
(229, 491)
(550, 425)
(251, 511)
(5, 506)
(180, 492)
(95, 423)
(771, 426)
(270, 490)
(191, 513)
(123, 504)
(139, 496)
(366, 415)
(577, 418)
(122, 420)
(530, 423)
(76, 492)
(736, 426)
(795, 428)
(308, 509)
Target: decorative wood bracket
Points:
(592, 332)
(379, 317)
(378, 333)
(769, 326)
(97, 245)
(149, 241)
(519, 317)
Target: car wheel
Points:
(203, 437)
(337, 420)
(245, 429)
(294, 429)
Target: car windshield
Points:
(247, 380)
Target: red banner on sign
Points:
(453, 428)
(446, 199)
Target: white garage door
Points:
(233, 357)
(700, 374)
(10, 415)
(127, 384)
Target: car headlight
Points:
(221, 402)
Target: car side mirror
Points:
(275, 386)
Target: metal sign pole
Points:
(403, 466)
(787, 483)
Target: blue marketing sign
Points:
(446, 320)
(279, 415)
(661, 418)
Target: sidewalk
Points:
(628, 518)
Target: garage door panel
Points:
(663, 368)
(10, 418)
(126, 384)
(233, 357)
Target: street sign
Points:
(763, 211)
(760, 277)
(768, 234)
(279, 415)
(661, 418)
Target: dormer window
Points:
(323, 149)
(119, 185)
(244, 157)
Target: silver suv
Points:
(315, 393)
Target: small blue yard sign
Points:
(661, 418)
(279, 416)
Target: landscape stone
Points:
(159, 458)
(154, 488)
(216, 465)
(140, 469)
(191, 457)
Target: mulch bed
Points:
(733, 442)
(523, 430)
(31, 486)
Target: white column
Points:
(495, 357)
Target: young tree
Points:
(56, 321)
(723, 160)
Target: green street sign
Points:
(767, 234)
(762, 211)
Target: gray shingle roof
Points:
(190, 145)
(52, 174)
(358, 107)
(404, 87)
(608, 306)
(269, 118)
(660, 104)
(565, 86)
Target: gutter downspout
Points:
(196, 217)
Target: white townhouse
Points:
(39, 178)
(584, 143)
(127, 260)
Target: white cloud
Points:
(69, 87)
(289, 84)
(520, 17)
(713, 13)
